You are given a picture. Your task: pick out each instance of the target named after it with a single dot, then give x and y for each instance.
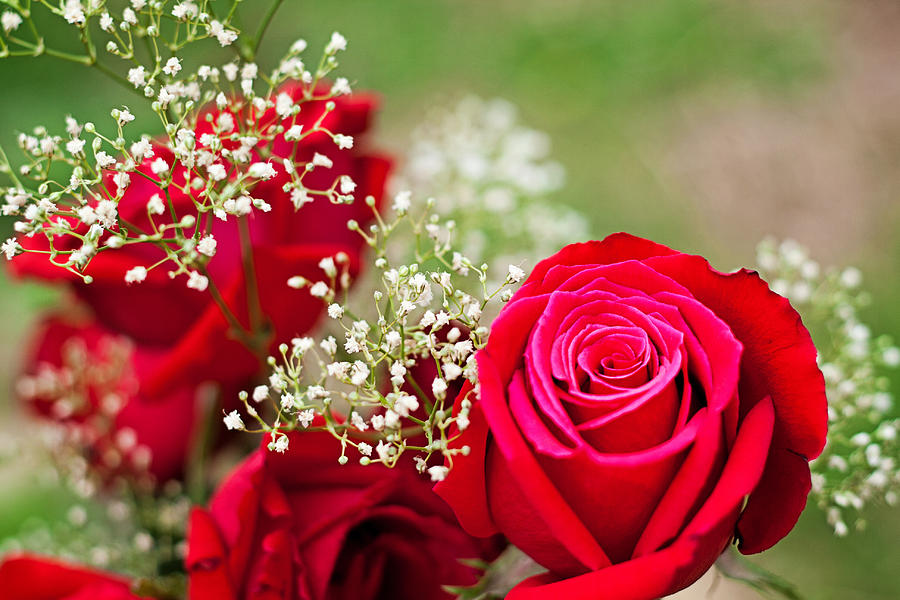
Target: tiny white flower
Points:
(260, 393)
(515, 274)
(106, 22)
(216, 172)
(155, 205)
(336, 44)
(74, 12)
(347, 185)
(335, 311)
(279, 444)
(284, 105)
(10, 248)
(207, 245)
(129, 17)
(262, 170)
(230, 70)
(343, 141)
(305, 417)
(377, 422)
(358, 422)
(75, 146)
(365, 449)
(319, 289)
(197, 281)
(159, 166)
(359, 373)
(10, 21)
(402, 202)
(293, 133)
(233, 420)
(439, 388)
(124, 117)
(320, 160)
(341, 87)
(172, 67)
(104, 160)
(137, 76)
(438, 472)
(142, 149)
(136, 275)
(327, 265)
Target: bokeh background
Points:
(704, 124)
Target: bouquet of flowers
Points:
(288, 365)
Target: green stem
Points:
(254, 307)
(264, 24)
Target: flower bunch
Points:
(861, 462)
(385, 376)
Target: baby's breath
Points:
(861, 461)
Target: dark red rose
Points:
(299, 526)
(26, 577)
(631, 399)
(87, 379)
(286, 242)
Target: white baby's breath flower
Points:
(336, 44)
(320, 160)
(319, 289)
(438, 472)
(341, 87)
(306, 417)
(207, 245)
(155, 205)
(233, 421)
(279, 443)
(10, 21)
(260, 393)
(343, 141)
(515, 274)
(136, 274)
(159, 166)
(262, 170)
(335, 311)
(172, 66)
(216, 172)
(10, 248)
(197, 281)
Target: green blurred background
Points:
(703, 124)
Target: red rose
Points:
(88, 379)
(299, 526)
(285, 242)
(26, 577)
(631, 399)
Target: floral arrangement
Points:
(291, 366)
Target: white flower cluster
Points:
(383, 379)
(207, 164)
(493, 176)
(861, 461)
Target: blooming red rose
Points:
(285, 242)
(631, 399)
(88, 379)
(26, 577)
(299, 526)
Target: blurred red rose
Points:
(631, 399)
(299, 526)
(285, 242)
(27, 577)
(87, 379)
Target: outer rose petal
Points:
(27, 577)
(679, 565)
(206, 560)
(779, 360)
